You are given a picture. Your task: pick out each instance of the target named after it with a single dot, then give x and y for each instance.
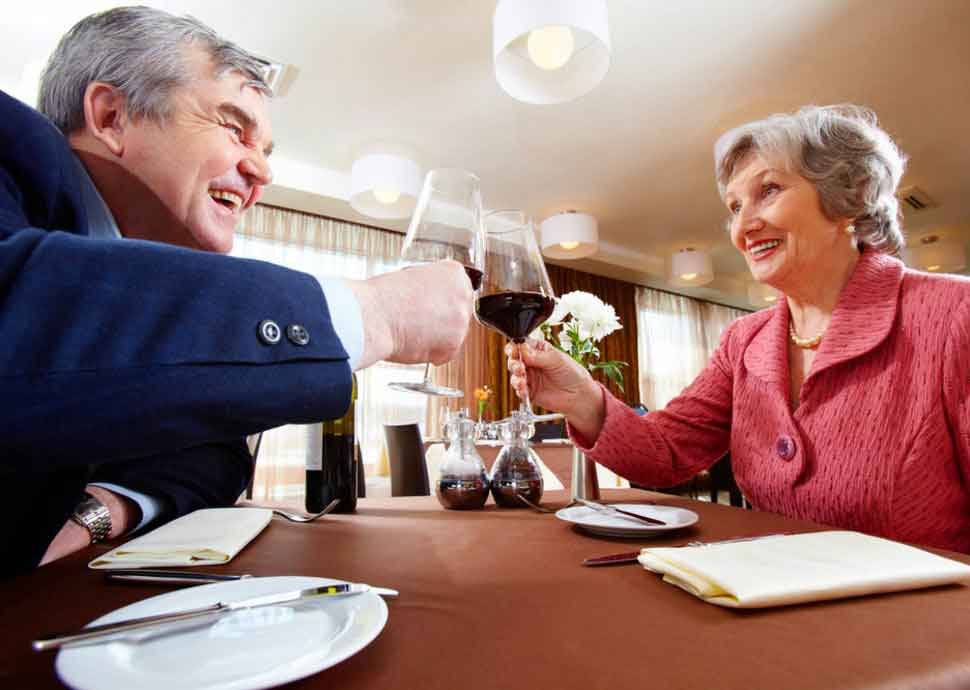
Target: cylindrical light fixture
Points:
(691, 268)
(569, 235)
(550, 51)
(383, 185)
(937, 255)
(762, 295)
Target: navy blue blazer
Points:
(134, 361)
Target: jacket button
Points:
(269, 332)
(785, 447)
(297, 334)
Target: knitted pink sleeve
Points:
(668, 446)
(956, 384)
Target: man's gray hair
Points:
(141, 51)
(852, 162)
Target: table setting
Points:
(503, 581)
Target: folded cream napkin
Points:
(205, 537)
(791, 569)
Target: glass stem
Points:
(526, 405)
(427, 373)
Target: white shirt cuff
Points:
(151, 507)
(345, 316)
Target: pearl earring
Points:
(850, 229)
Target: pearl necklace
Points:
(804, 343)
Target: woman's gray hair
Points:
(852, 162)
(142, 52)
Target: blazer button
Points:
(269, 332)
(297, 334)
(785, 447)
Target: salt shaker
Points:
(463, 482)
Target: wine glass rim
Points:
(518, 227)
(466, 173)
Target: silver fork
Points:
(536, 506)
(294, 517)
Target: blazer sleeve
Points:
(669, 446)
(123, 349)
(207, 476)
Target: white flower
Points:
(592, 318)
(582, 305)
(606, 323)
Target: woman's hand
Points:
(557, 382)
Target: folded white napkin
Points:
(205, 537)
(792, 569)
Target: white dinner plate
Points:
(242, 650)
(607, 525)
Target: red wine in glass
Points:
(514, 314)
(516, 295)
(475, 276)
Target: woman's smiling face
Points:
(777, 223)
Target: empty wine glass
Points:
(516, 296)
(447, 224)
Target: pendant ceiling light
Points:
(383, 185)
(937, 255)
(691, 268)
(569, 235)
(550, 51)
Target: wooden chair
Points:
(405, 453)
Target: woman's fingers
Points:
(519, 384)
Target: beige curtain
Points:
(677, 336)
(324, 247)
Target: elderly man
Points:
(133, 368)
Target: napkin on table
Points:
(792, 569)
(205, 537)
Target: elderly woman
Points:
(849, 402)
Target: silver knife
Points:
(170, 576)
(613, 510)
(57, 640)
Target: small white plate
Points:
(243, 650)
(604, 524)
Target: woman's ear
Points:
(105, 117)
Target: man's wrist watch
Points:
(93, 516)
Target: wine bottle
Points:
(317, 442)
(332, 462)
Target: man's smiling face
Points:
(207, 162)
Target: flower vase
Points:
(584, 481)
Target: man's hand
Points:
(419, 314)
(72, 537)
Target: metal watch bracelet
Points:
(93, 516)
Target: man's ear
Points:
(105, 117)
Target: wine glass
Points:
(516, 296)
(447, 224)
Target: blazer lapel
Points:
(767, 354)
(864, 314)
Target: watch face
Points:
(94, 516)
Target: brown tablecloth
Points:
(498, 599)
